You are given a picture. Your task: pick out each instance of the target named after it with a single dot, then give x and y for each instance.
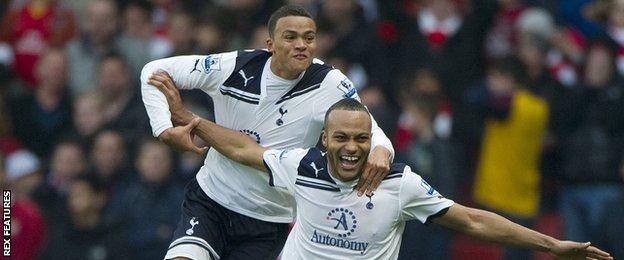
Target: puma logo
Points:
(195, 67)
(316, 170)
(193, 222)
(242, 73)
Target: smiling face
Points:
(293, 45)
(347, 137)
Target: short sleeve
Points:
(419, 200)
(282, 166)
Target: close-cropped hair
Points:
(348, 104)
(284, 11)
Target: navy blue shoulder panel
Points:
(314, 165)
(396, 171)
(311, 80)
(247, 74)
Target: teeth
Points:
(349, 158)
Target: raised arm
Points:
(489, 226)
(188, 72)
(232, 144)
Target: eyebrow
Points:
(294, 32)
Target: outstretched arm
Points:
(232, 144)
(489, 226)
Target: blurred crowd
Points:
(510, 105)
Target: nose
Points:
(351, 147)
(300, 44)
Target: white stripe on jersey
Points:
(241, 93)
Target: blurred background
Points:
(509, 105)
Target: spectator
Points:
(138, 39)
(181, 27)
(98, 37)
(610, 14)
(344, 30)
(28, 233)
(148, 207)
(31, 30)
(433, 157)
(211, 38)
(67, 163)
(87, 116)
(532, 51)
(122, 108)
(42, 117)
(507, 178)
(593, 134)
(502, 38)
(243, 17)
(439, 36)
(109, 161)
(85, 235)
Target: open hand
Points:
(575, 250)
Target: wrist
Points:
(550, 245)
(165, 135)
(182, 117)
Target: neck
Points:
(283, 72)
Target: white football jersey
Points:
(275, 112)
(333, 222)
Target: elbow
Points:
(150, 68)
(147, 70)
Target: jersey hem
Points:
(242, 211)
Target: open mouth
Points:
(348, 162)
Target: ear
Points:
(324, 138)
(269, 43)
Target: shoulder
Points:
(338, 82)
(397, 170)
(250, 57)
(314, 165)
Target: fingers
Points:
(365, 180)
(166, 82)
(600, 257)
(199, 150)
(190, 126)
(377, 178)
(596, 252)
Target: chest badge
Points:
(279, 121)
(344, 221)
(370, 205)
